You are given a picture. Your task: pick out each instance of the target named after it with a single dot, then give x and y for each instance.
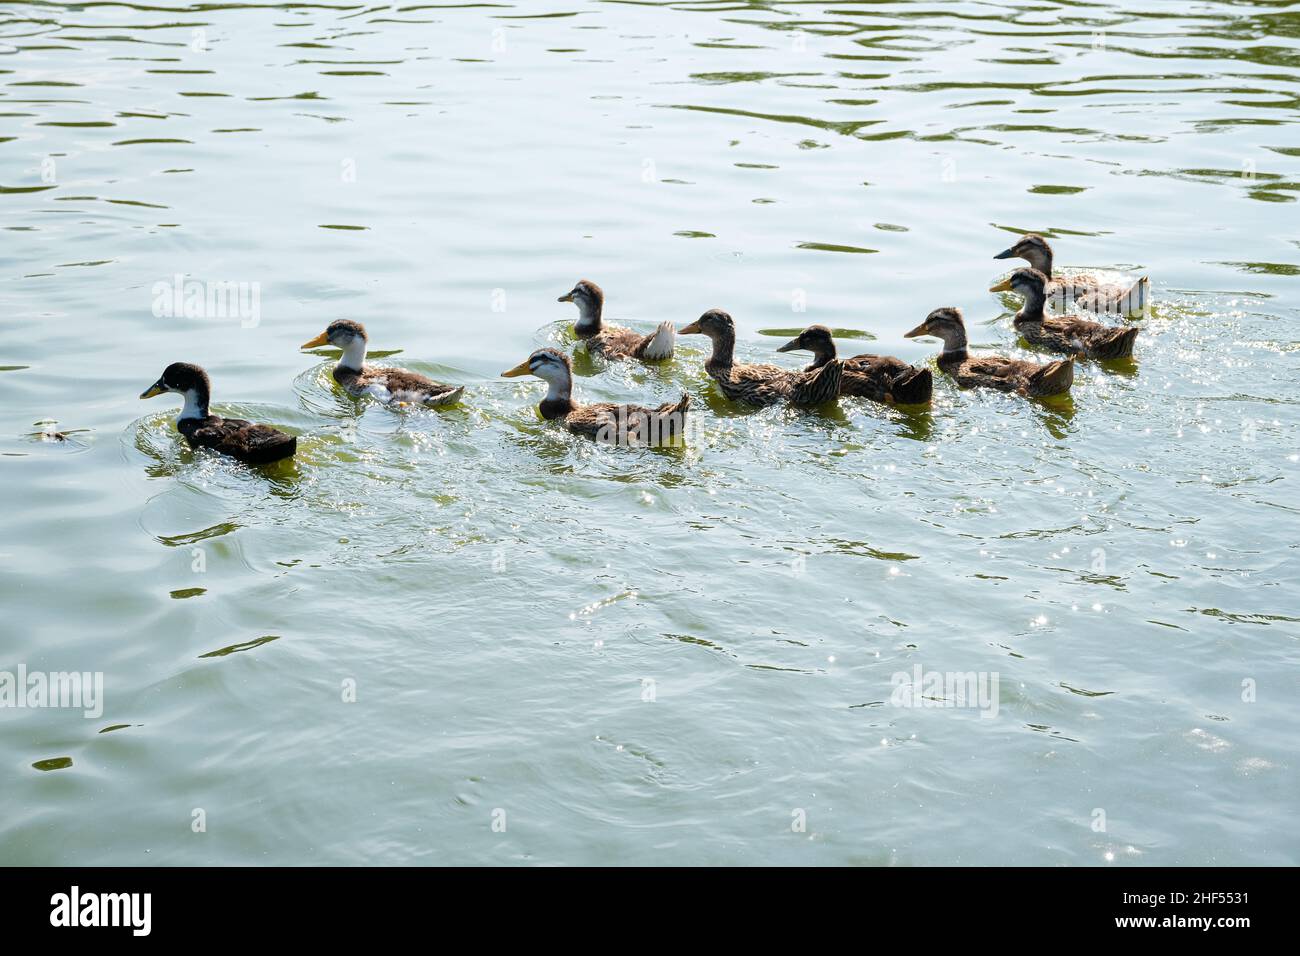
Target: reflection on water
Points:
(428, 615)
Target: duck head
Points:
(944, 323)
(1034, 249)
(549, 365)
(346, 335)
(1029, 283)
(816, 339)
(590, 300)
(184, 379)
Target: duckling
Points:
(1092, 291)
(879, 377)
(619, 424)
(249, 443)
(993, 371)
(761, 384)
(396, 386)
(612, 341)
(1068, 335)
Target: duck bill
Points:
(1006, 254)
(319, 340)
(567, 297)
(918, 331)
(791, 346)
(154, 389)
(522, 368)
(692, 329)
(1003, 286)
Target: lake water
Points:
(468, 637)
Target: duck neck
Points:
(196, 404)
(821, 355)
(724, 349)
(954, 346)
(559, 398)
(1041, 259)
(354, 355)
(1032, 311)
(589, 316)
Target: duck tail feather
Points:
(659, 344)
(1055, 378)
(913, 387)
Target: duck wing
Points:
(615, 342)
(1015, 375)
(1054, 334)
(1098, 292)
(630, 424)
(246, 441)
(818, 386)
(754, 384)
(402, 386)
(1073, 336)
(885, 378)
(1003, 374)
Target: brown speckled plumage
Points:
(1066, 334)
(604, 421)
(397, 386)
(1091, 291)
(613, 342)
(882, 378)
(761, 384)
(992, 371)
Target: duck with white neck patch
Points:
(605, 421)
(613, 341)
(392, 386)
(245, 441)
(1063, 333)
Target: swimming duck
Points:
(1092, 291)
(612, 341)
(761, 384)
(1063, 334)
(880, 377)
(992, 371)
(253, 444)
(396, 386)
(620, 424)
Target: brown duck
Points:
(604, 421)
(613, 341)
(1092, 291)
(761, 384)
(879, 377)
(394, 386)
(991, 371)
(1063, 334)
(250, 443)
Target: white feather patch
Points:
(661, 345)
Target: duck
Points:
(1092, 291)
(991, 371)
(604, 421)
(879, 377)
(613, 342)
(761, 384)
(244, 441)
(393, 386)
(1063, 334)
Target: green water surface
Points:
(467, 637)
